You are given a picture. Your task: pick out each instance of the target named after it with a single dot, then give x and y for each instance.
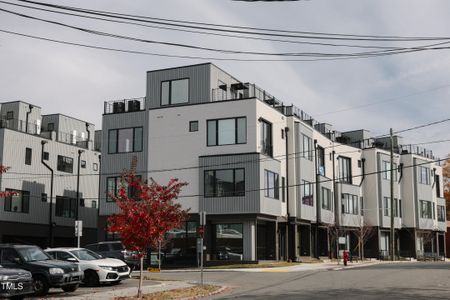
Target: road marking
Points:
(275, 271)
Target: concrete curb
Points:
(219, 291)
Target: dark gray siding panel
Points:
(250, 203)
(199, 83)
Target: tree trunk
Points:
(141, 271)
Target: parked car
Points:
(45, 271)
(15, 283)
(115, 249)
(96, 268)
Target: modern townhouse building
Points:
(275, 184)
(44, 208)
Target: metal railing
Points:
(412, 149)
(20, 125)
(125, 105)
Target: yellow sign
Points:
(153, 270)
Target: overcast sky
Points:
(76, 81)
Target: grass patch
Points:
(194, 291)
(254, 266)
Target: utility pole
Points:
(50, 207)
(392, 248)
(78, 224)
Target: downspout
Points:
(286, 131)
(26, 119)
(88, 136)
(50, 213)
(336, 204)
(363, 167)
(316, 233)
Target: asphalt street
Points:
(418, 280)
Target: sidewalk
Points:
(297, 268)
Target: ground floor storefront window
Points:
(228, 242)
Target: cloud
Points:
(76, 81)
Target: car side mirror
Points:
(72, 259)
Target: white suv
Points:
(96, 268)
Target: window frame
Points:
(308, 154)
(67, 202)
(328, 205)
(276, 185)
(133, 143)
(216, 133)
(191, 126)
(266, 124)
(28, 156)
(307, 199)
(170, 92)
(116, 187)
(348, 178)
(63, 158)
(25, 202)
(235, 193)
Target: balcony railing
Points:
(244, 91)
(125, 105)
(20, 125)
(412, 149)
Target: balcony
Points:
(20, 125)
(238, 91)
(125, 105)
(411, 149)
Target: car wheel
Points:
(91, 278)
(70, 288)
(40, 285)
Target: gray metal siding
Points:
(35, 178)
(113, 164)
(250, 203)
(199, 83)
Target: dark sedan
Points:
(15, 283)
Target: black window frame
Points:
(116, 150)
(235, 193)
(61, 168)
(276, 187)
(427, 179)
(236, 131)
(266, 146)
(25, 201)
(345, 178)
(65, 204)
(321, 160)
(441, 213)
(329, 204)
(170, 92)
(45, 155)
(28, 156)
(10, 115)
(83, 164)
(192, 125)
(117, 179)
(308, 154)
(51, 126)
(307, 199)
(350, 204)
(95, 166)
(44, 197)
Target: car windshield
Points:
(85, 254)
(117, 246)
(33, 254)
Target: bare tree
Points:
(364, 232)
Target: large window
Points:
(321, 160)
(65, 207)
(350, 204)
(125, 140)
(307, 197)
(28, 155)
(65, 164)
(266, 138)
(271, 185)
(307, 147)
(387, 170)
(19, 203)
(227, 131)
(113, 185)
(345, 169)
(387, 206)
(425, 209)
(424, 175)
(441, 213)
(175, 91)
(229, 241)
(224, 183)
(327, 199)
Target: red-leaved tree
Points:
(146, 212)
(4, 169)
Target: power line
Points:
(297, 184)
(200, 32)
(219, 27)
(279, 157)
(241, 52)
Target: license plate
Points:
(75, 278)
